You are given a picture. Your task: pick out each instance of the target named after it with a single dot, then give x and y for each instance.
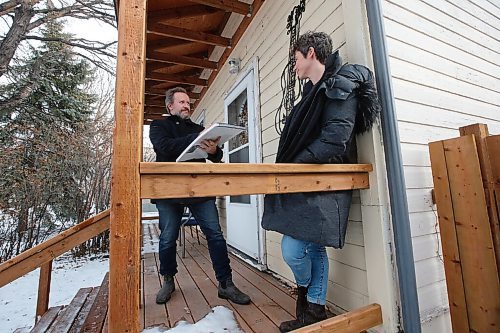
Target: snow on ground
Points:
(219, 320)
(18, 298)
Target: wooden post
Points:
(124, 272)
(42, 303)
(480, 132)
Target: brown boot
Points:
(166, 291)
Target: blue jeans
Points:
(309, 264)
(206, 215)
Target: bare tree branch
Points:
(80, 43)
(23, 15)
(30, 15)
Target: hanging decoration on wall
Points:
(288, 79)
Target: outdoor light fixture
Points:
(234, 65)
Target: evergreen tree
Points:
(46, 142)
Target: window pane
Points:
(237, 113)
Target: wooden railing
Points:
(180, 180)
(43, 254)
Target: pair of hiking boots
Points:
(307, 313)
(227, 290)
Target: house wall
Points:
(445, 74)
(266, 39)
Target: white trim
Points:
(236, 89)
(375, 210)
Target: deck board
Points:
(196, 289)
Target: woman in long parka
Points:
(339, 101)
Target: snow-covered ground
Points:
(219, 320)
(18, 298)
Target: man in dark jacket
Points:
(338, 102)
(170, 136)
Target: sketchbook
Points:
(225, 131)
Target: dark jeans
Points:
(207, 217)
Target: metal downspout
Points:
(395, 175)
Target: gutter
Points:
(395, 175)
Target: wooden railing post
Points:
(125, 250)
(42, 304)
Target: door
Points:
(243, 225)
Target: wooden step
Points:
(97, 314)
(86, 313)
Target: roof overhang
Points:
(187, 43)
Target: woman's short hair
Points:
(320, 41)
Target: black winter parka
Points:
(170, 136)
(321, 129)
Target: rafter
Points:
(160, 93)
(154, 110)
(186, 34)
(179, 13)
(176, 79)
(180, 60)
(228, 5)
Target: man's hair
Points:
(169, 95)
(320, 41)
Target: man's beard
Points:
(184, 115)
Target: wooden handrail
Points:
(354, 321)
(52, 248)
(184, 180)
(232, 168)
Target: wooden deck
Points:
(194, 297)
(196, 289)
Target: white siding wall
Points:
(444, 59)
(266, 39)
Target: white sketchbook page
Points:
(225, 131)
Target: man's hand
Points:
(210, 146)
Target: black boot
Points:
(301, 304)
(313, 313)
(228, 290)
(166, 291)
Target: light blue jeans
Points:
(309, 264)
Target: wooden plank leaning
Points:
(493, 148)
(449, 239)
(488, 156)
(473, 233)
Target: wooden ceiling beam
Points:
(186, 34)
(228, 5)
(180, 60)
(176, 79)
(160, 93)
(257, 4)
(179, 13)
(154, 110)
